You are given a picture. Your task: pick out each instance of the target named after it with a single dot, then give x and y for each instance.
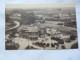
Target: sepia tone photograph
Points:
(40, 26)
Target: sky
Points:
(25, 6)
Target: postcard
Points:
(40, 26)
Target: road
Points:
(17, 25)
(68, 45)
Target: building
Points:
(30, 33)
